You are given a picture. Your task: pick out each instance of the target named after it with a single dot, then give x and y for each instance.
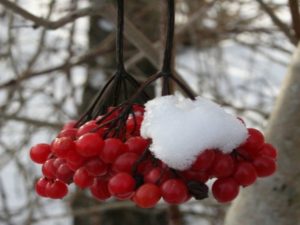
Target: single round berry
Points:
(70, 133)
(245, 174)
(39, 153)
(204, 161)
(82, 178)
(48, 169)
(57, 162)
(56, 189)
(223, 165)
(125, 162)
(243, 155)
(264, 166)
(157, 175)
(99, 189)
(225, 189)
(200, 176)
(61, 146)
(87, 127)
(69, 125)
(145, 166)
(113, 147)
(254, 142)
(89, 145)
(147, 196)
(137, 144)
(138, 109)
(40, 187)
(96, 167)
(74, 160)
(268, 150)
(121, 184)
(133, 125)
(174, 191)
(64, 173)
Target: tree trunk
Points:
(276, 200)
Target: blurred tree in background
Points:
(56, 54)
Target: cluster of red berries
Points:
(241, 167)
(93, 156)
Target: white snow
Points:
(181, 129)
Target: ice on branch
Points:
(181, 129)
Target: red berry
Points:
(82, 178)
(204, 160)
(40, 187)
(245, 174)
(99, 189)
(57, 162)
(48, 169)
(121, 184)
(74, 160)
(265, 166)
(69, 124)
(147, 195)
(96, 167)
(125, 162)
(56, 189)
(138, 109)
(243, 155)
(157, 176)
(133, 125)
(200, 176)
(61, 146)
(87, 127)
(113, 147)
(89, 145)
(225, 189)
(223, 165)
(145, 166)
(137, 144)
(64, 173)
(40, 152)
(268, 150)
(174, 191)
(71, 133)
(254, 142)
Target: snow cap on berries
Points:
(181, 129)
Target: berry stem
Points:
(169, 44)
(120, 36)
(167, 64)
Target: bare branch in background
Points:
(52, 25)
(294, 9)
(281, 25)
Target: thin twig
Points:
(281, 25)
(294, 9)
(52, 25)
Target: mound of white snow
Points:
(181, 129)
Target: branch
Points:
(281, 25)
(103, 48)
(52, 25)
(133, 34)
(31, 121)
(294, 9)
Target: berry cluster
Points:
(110, 158)
(241, 167)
